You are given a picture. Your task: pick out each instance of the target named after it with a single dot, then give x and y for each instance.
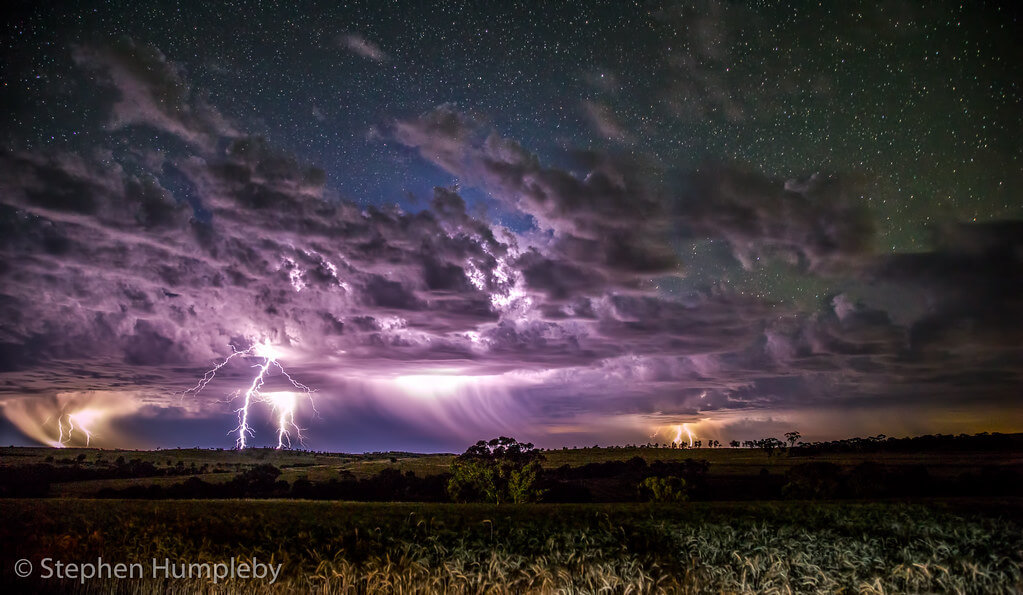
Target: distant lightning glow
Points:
(282, 406)
(433, 385)
(679, 430)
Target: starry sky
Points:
(574, 223)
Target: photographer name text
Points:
(235, 568)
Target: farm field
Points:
(742, 460)
(219, 466)
(909, 544)
(940, 546)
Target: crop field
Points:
(336, 547)
(727, 461)
(223, 465)
(886, 545)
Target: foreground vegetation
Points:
(638, 548)
(186, 508)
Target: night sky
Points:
(571, 223)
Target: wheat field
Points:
(331, 547)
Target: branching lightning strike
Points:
(282, 404)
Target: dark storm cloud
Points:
(864, 356)
(127, 273)
(133, 270)
(100, 261)
(818, 223)
(973, 283)
(700, 324)
(297, 267)
(848, 355)
(609, 196)
(617, 220)
(609, 230)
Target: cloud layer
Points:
(131, 271)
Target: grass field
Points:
(929, 545)
(325, 466)
(397, 547)
(223, 464)
(725, 461)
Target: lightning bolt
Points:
(81, 428)
(243, 428)
(679, 430)
(71, 428)
(210, 374)
(283, 407)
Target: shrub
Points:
(813, 481)
(663, 489)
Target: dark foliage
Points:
(619, 481)
(931, 443)
(819, 481)
(390, 485)
(34, 479)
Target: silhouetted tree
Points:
(769, 445)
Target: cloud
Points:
(614, 217)
(132, 272)
(697, 78)
(133, 291)
(153, 92)
(818, 222)
(973, 283)
(701, 76)
(609, 196)
(608, 227)
(71, 419)
(363, 47)
(605, 122)
(113, 283)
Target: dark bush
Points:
(813, 481)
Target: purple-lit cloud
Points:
(441, 326)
